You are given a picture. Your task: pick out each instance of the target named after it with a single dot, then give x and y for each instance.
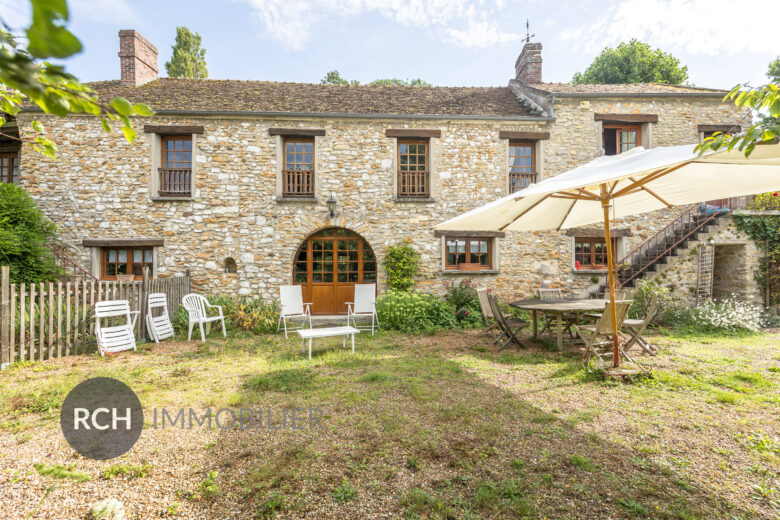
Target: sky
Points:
(445, 42)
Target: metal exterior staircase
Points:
(654, 252)
(71, 270)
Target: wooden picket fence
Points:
(45, 320)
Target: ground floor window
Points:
(468, 254)
(591, 252)
(126, 261)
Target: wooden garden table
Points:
(559, 308)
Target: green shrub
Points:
(414, 313)
(24, 231)
(642, 297)
(727, 315)
(463, 297)
(401, 264)
(241, 314)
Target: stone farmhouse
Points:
(255, 184)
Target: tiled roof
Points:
(266, 96)
(628, 88)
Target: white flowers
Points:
(108, 509)
(730, 314)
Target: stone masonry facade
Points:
(102, 186)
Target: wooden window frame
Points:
(179, 179)
(285, 176)
(472, 267)
(426, 173)
(593, 241)
(622, 127)
(7, 177)
(521, 175)
(104, 255)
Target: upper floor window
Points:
(522, 165)
(468, 254)
(9, 168)
(621, 138)
(413, 169)
(123, 261)
(176, 170)
(298, 170)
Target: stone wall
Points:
(100, 186)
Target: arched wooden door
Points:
(328, 265)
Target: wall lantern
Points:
(331, 202)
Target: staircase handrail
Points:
(690, 214)
(73, 265)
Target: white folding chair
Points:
(364, 306)
(291, 298)
(196, 306)
(160, 326)
(115, 338)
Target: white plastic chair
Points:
(196, 306)
(291, 297)
(115, 338)
(364, 306)
(159, 327)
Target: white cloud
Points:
(703, 27)
(465, 23)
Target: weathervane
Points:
(528, 34)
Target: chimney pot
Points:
(137, 57)
(528, 67)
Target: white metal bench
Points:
(327, 332)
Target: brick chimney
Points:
(138, 58)
(528, 67)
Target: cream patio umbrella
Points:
(633, 182)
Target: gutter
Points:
(329, 115)
(641, 95)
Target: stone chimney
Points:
(528, 67)
(138, 58)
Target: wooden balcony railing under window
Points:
(175, 182)
(413, 184)
(299, 183)
(519, 181)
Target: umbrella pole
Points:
(611, 277)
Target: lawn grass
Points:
(439, 426)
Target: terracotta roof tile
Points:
(266, 96)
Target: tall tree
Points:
(633, 62)
(189, 58)
(334, 78)
(774, 71)
(28, 78)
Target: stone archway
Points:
(328, 264)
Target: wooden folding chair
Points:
(598, 337)
(637, 327)
(487, 312)
(509, 327)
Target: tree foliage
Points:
(774, 71)
(764, 103)
(189, 58)
(334, 78)
(633, 62)
(29, 78)
(24, 230)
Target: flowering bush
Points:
(414, 313)
(728, 314)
